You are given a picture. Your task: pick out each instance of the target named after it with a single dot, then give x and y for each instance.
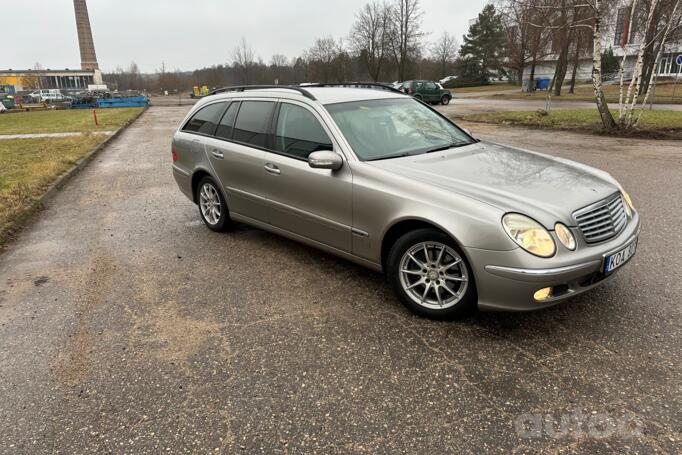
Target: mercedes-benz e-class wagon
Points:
(384, 180)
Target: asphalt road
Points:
(475, 103)
(128, 327)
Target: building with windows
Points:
(614, 36)
(63, 79)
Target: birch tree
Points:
(627, 102)
(597, 84)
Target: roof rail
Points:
(243, 88)
(358, 85)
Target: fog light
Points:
(542, 294)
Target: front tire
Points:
(445, 100)
(430, 275)
(212, 205)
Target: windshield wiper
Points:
(386, 157)
(441, 148)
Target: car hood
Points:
(543, 187)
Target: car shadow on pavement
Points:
(373, 291)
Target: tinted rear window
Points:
(252, 122)
(205, 120)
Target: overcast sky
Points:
(189, 34)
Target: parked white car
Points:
(447, 79)
(46, 96)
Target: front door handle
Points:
(272, 169)
(217, 154)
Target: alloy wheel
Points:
(433, 275)
(209, 201)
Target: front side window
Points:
(252, 122)
(299, 133)
(430, 86)
(205, 120)
(389, 128)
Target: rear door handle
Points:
(272, 169)
(217, 154)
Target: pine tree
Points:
(482, 54)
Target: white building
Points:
(614, 32)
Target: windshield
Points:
(389, 128)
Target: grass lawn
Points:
(29, 166)
(70, 120)
(664, 93)
(656, 122)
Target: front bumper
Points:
(507, 280)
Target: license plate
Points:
(615, 260)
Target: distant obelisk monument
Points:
(87, 46)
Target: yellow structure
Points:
(46, 79)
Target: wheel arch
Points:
(196, 178)
(405, 225)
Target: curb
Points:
(6, 238)
(67, 175)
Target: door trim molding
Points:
(305, 240)
(302, 213)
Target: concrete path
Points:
(126, 326)
(44, 135)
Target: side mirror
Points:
(325, 159)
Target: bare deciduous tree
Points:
(406, 33)
(279, 60)
(369, 36)
(663, 30)
(243, 57)
(444, 51)
(525, 42)
(323, 58)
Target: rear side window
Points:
(206, 119)
(252, 122)
(224, 130)
(299, 133)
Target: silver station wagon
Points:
(384, 180)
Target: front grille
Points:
(602, 220)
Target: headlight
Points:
(529, 234)
(565, 236)
(629, 207)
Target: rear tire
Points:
(418, 97)
(431, 276)
(445, 100)
(212, 205)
